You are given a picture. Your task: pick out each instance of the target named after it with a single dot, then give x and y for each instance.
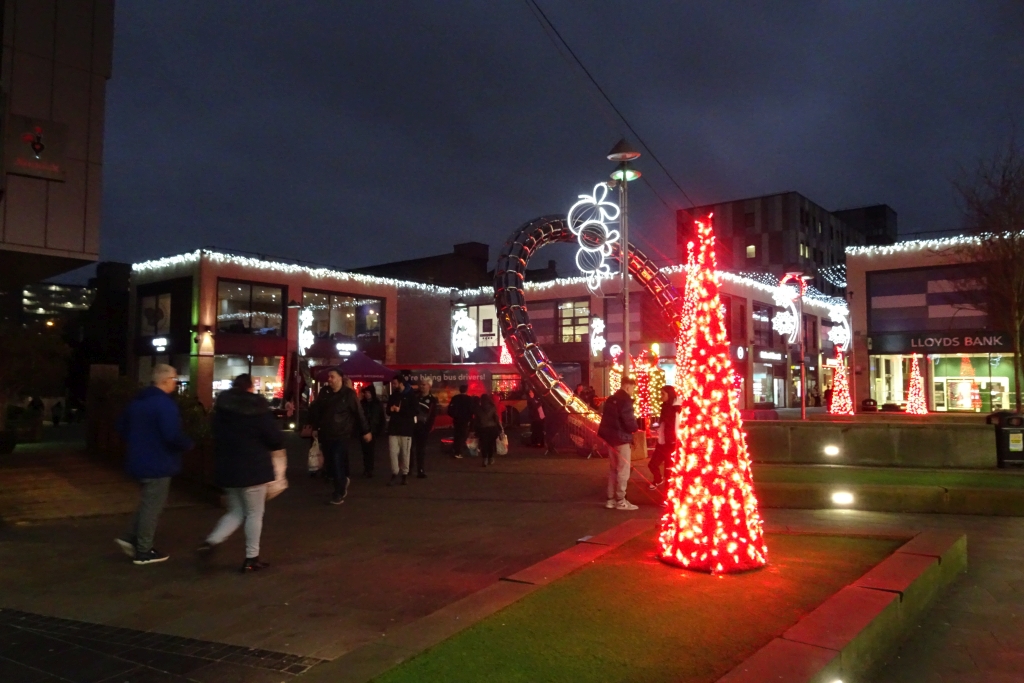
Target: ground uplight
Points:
(842, 498)
(831, 451)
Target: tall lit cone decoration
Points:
(841, 403)
(711, 523)
(916, 403)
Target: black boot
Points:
(253, 564)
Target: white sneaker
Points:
(126, 547)
(625, 505)
(610, 504)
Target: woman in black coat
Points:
(660, 463)
(488, 429)
(244, 433)
(373, 409)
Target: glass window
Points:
(751, 251)
(155, 315)
(762, 316)
(244, 308)
(267, 374)
(342, 315)
(573, 321)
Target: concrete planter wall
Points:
(892, 444)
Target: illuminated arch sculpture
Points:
(510, 300)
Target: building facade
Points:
(912, 298)
(55, 67)
(214, 315)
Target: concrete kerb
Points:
(371, 660)
(856, 630)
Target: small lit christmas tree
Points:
(916, 404)
(966, 369)
(711, 522)
(841, 403)
(506, 357)
(279, 391)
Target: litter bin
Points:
(1009, 437)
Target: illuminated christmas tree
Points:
(506, 357)
(916, 404)
(841, 403)
(279, 391)
(711, 522)
(966, 369)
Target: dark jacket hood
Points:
(241, 402)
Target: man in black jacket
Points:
(336, 416)
(426, 412)
(617, 426)
(460, 410)
(244, 433)
(401, 412)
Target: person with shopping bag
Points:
(488, 429)
(245, 434)
(336, 417)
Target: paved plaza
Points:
(73, 608)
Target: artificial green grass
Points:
(887, 476)
(628, 617)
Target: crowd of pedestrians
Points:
(248, 440)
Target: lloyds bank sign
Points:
(954, 341)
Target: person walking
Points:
(154, 440)
(533, 404)
(401, 412)
(56, 413)
(618, 423)
(460, 410)
(336, 416)
(373, 409)
(426, 412)
(668, 425)
(244, 434)
(488, 428)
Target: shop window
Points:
(155, 315)
(267, 374)
(246, 308)
(342, 315)
(762, 322)
(573, 321)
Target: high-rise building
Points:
(778, 233)
(55, 67)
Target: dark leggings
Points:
(488, 437)
(660, 462)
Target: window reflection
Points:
(244, 308)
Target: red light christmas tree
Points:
(711, 523)
(916, 403)
(506, 357)
(966, 368)
(841, 403)
(279, 391)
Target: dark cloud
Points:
(355, 133)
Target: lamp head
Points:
(622, 151)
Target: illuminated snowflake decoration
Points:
(463, 332)
(588, 219)
(306, 336)
(786, 322)
(839, 334)
(597, 340)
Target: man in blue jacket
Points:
(617, 426)
(151, 430)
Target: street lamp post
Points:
(624, 172)
(294, 305)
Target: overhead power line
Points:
(548, 24)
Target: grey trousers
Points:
(619, 462)
(151, 504)
(243, 505)
(399, 446)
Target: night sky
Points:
(362, 132)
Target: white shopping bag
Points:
(501, 445)
(316, 457)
